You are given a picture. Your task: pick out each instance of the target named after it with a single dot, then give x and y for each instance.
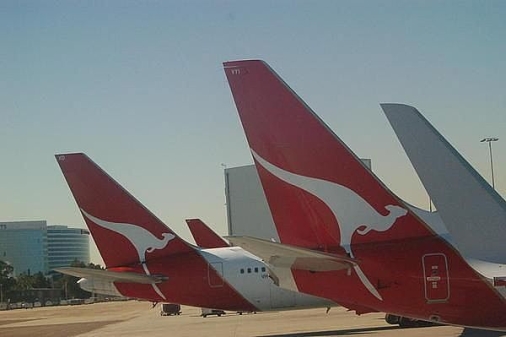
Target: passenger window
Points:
(249, 270)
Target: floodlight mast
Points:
(489, 140)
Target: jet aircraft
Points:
(145, 259)
(473, 212)
(322, 198)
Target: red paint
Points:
(204, 236)
(282, 130)
(188, 283)
(187, 271)
(99, 195)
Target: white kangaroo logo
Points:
(340, 199)
(142, 239)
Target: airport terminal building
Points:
(33, 246)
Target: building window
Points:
(242, 271)
(249, 270)
(256, 269)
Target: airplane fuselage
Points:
(422, 278)
(224, 278)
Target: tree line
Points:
(16, 288)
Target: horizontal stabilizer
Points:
(287, 256)
(113, 276)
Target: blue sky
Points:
(139, 87)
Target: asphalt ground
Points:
(134, 318)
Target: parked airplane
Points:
(145, 259)
(473, 212)
(323, 198)
(204, 236)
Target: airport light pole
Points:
(489, 140)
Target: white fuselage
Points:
(244, 272)
(249, 276)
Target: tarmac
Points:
(135, 318)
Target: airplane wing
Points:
(287, 256)
(472, 211)
(112, 276)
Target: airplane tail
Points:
(473, 212)
(204, 236)
(124, 231)
(320, 194)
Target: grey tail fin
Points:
(473, 212)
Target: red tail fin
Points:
(319, 192)
(204, 236)
(123, 229)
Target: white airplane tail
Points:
(473, 212)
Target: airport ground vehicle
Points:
(208, 311)
(169, 309)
